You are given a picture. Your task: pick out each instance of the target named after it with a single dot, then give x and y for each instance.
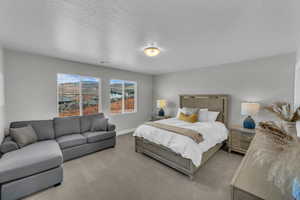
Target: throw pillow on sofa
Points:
(99, 124)
(23, 136)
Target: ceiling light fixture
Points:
(102, 62)
(151, 51)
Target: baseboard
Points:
(126, 131)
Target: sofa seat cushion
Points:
(99, 136)
(31, 159)
(68, 141)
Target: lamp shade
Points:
(152, 51)
(161, 103)
(250, 108)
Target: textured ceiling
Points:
(191, 33)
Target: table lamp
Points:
(161, 104)
(249, 109)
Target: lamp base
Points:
(249, 123)
(161, 113)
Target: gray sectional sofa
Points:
(38, 166)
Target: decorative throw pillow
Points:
(187, 111)
(203, 115)
(23, 136)
(99, 124)
(212, 116)
(188, 118)
(190, 111)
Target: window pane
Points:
(68, 95)
(90, 95)
(116, 87)
(129, 98)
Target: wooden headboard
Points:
(212, 102)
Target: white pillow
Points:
(212, 116)
(178, 112)
(203, 115)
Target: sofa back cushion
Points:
(43, 128)
(86, 121)
(66, 126)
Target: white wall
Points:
(297, 81)
(297, 87)
(30, 82)
(263, 80)
(2, 101)
(296, 6)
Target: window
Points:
(122, 96)
(77, 95)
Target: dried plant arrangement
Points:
(276, 132)
(283, 156)
(284, 111)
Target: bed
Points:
(176, 160)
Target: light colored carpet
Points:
(122, 174)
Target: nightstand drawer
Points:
(241, 144)
(238, 135)
(245, 144)
(246, 137)
(240, 139)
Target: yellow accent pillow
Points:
(188, 118)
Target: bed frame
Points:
(167, 156)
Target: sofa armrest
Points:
(111, 127)
(8, 145)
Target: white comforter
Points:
(212, 132)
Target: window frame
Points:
(123, 97)
(80, 94)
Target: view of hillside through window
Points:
(122, 96)
(77, 95)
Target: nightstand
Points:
(156, 118)
(239, 139)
